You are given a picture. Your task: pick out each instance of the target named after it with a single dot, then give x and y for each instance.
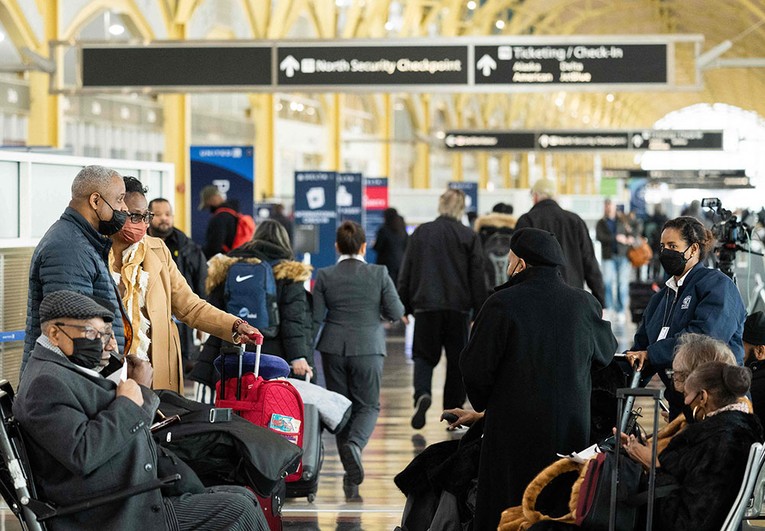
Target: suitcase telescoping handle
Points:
(630, 402)
(631, 393)
(230, 348)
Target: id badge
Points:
(663, 333)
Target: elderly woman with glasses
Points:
(155, 293)
(706, 461)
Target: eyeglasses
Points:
(676, 376)
(91, 333)
(137, 218)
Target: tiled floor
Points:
(392, 446)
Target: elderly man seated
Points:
(88, 435)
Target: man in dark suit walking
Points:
(349, 299)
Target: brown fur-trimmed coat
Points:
(295, 337)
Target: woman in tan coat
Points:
(153, 291)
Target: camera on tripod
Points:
(727, 229)
(729, 233)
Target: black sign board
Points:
(162, 66)
(667, 140)
(372, 65)
(571, 64)
(704, 179)
(648, 140)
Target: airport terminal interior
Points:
(340, 109)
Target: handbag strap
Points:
(538, 484)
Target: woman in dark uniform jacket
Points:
(350, 298)
(694, 299)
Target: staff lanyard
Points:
(667, 318)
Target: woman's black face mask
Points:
(673, 261)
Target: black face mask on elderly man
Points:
(86, 352)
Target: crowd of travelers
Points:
(113, 281)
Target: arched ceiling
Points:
(740, 21)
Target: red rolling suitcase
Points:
(273, 404)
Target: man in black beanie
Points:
(528, 365)
(754, 357)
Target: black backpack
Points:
(496, 248)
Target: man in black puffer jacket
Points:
(73, 254)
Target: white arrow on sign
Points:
(289, 66)
(486, 64)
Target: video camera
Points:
(729, 233)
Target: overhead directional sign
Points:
(562, 63)
(708, 179)
(646, 140)
(176, 66)
(463, 64)
(372, 65)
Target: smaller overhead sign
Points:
(647, 140)
(707, 179)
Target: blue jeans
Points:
(616, 277)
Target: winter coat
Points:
(221, 230)
(758, 387)
(490, 224)
(528, 363)
(295, 335)
(443, 268)
(390, 247)
(607, 238)
(73, 256)
(168, 294)
(708, 303)
(574, 237)
(707, 461)
(191, 262)
(85, 441)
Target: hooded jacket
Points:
(494, 222)
(295, 336)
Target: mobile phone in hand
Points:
(164, 423)
(664, 406)
(451, 418)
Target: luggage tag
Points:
(663, 333)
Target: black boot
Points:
(351, 491)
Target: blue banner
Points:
(637, 197)
(232, 170)
(375, 203)
(316, 216)
(12, 335)
(350, 198)
(471, 194)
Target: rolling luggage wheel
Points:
(311, 497)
